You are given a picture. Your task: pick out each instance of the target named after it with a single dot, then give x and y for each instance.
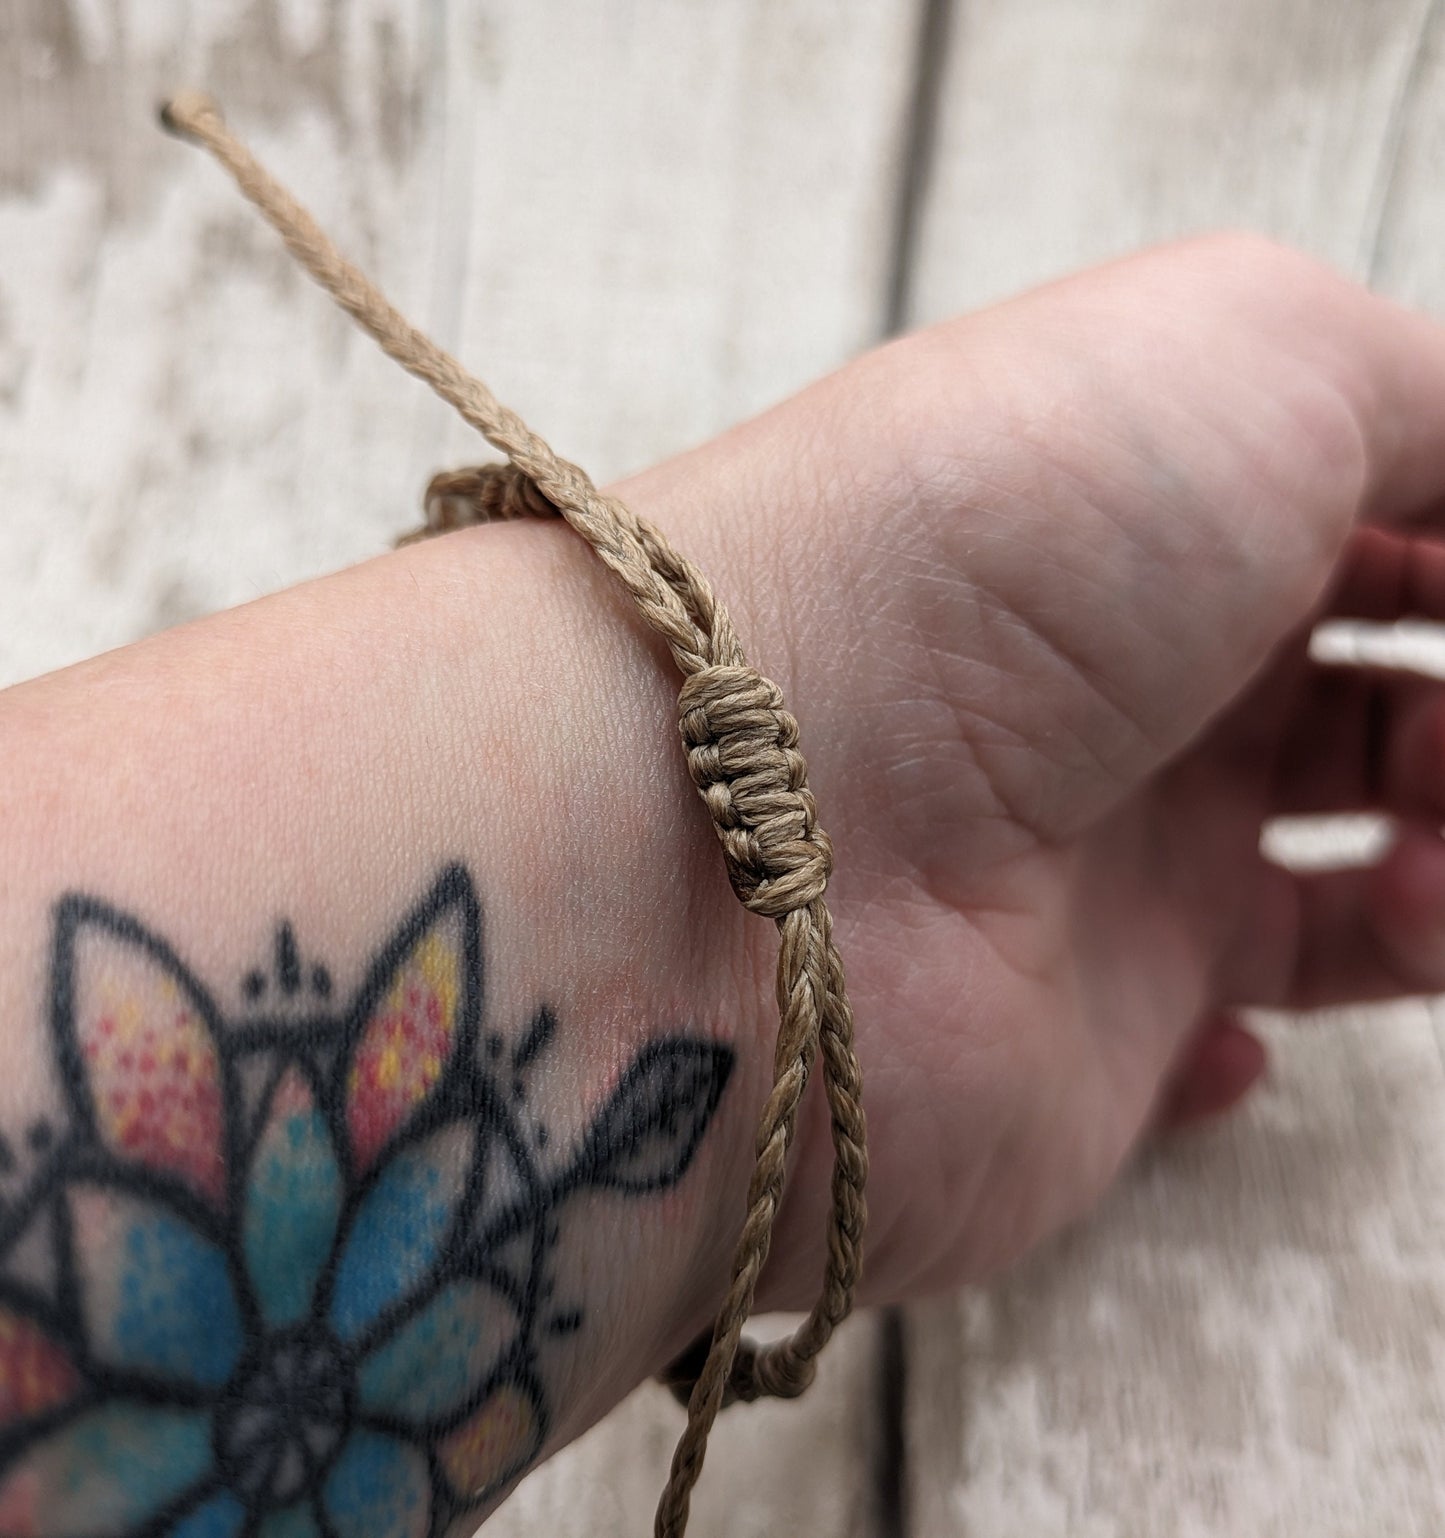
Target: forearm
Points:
(372, 998)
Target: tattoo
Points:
(290, 1275)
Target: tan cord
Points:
(742, 752)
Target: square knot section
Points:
(742, 753)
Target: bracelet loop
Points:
(742, 751)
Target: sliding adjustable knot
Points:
(742, 753)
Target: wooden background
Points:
(641, 220)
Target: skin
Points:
(1038, 584)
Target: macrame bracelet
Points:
(742, 753)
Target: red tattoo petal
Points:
(154, 1074)
(405, 1044)
(493, 1445)
(36, 1374)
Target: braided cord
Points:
(742, 753)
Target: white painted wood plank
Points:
(639, 222)
(1251, 1337)
(1071, 132)
(1407, 232)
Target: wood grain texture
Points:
(639, 222)
(1072, 132)
(1251, 1337)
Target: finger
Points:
(1396, 380)
(1388, 575)
(1343, 746)
(1347, 936)
(1363, 739)
(1414, 758)
(1223, 1061)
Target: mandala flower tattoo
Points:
(289, 1275)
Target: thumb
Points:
(1150, 472)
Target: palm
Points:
(1092, 973)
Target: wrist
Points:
(323, 756)
(609, 900)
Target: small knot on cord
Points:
(742, 753)
(489, 493)
(770, 1372)
(190, 115)
(758, 1372)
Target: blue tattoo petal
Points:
(378, 1485)
(220, 1517)
(157, 1295)
(400, 1228)
(117, 1466)
(441, 1356)
(293, 1199)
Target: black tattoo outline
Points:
(641, 1142)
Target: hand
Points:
(1039, 585)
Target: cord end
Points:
(186, 113)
